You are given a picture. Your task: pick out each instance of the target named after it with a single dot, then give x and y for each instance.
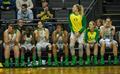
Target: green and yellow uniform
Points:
(77, 25)
(77, 22)
(91, 36)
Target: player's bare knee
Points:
(54, 45)
(49, 47)
(80, 47)
(65, 44)
(87, 45)
(103, 44)
(71, 46)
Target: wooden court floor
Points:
(63, 70)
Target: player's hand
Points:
(91, 42)
(46, 9)
(16, 42)
(77, 34)
(111, 40)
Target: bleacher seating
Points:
(112, 9)
(7, 15)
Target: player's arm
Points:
(101, 31)
(54, 37)
(18, 5)
(6, 40)
(47, 34)
(86, 36)
(36, 35)
(113, 30)
(50, 14)
(18, 36)
(118, 38)
(84, 22)
(41, 14)
(31, 4)
(33, 38)
(69, 19)
(97, 35)
(22, 38)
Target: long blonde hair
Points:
(80, 9)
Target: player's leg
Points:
(88, 53)
(114, 45)
(22, 59)
(81, 44)
(55, 53)
(16, 54)
(102, 51)
(95, 53)
(80, 53)
(66, 53)
(28, 57)
(6, 54)
(38, 46)
(33, 55)
(72, 50)
(61, 52)
(49, 53)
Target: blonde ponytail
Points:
(80, 9)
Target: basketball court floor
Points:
(63, 70)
